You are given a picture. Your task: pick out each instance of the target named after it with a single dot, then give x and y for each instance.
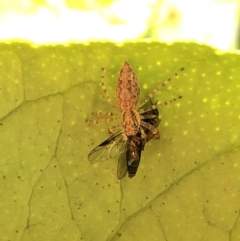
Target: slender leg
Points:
(153, 92)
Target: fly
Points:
(127, 150)
(129, 162)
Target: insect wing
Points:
(108, 149)
(122, 164)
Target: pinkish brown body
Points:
(127, 92)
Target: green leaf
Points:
(187, 185)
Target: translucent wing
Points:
(122, 163)
(110, 148)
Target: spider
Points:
(139, 123)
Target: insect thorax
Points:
(131, 122)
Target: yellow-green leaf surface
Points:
(188, 183)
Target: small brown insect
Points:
(139, 124)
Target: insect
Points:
(139, 124)
(127, 150)
(129, 162)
